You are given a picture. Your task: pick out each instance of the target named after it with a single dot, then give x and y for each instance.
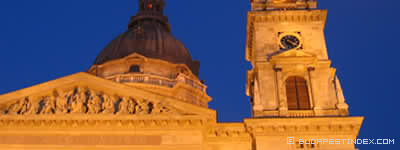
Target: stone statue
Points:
(123, 106)
(108, 105)
(131, 106)
(94, 103)
(159, 108)
(62, 104)
(48, 105)
(78, 101)
(142, 107)
(15, 108)
(32, 108)
(24, 107)
(156, 109)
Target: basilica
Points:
(143, 92)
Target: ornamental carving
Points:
(227, 131)
(85, 101)
(125, 123)
(48, 105)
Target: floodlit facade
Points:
(143, 92)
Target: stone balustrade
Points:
(157, 80)
(301, 113)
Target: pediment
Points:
(83, 94)
(294, 53)
(293, 56)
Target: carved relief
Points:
(159, 108)
(49, 106)
(78, 101)
(94, 103)
(131, 106)
(108, 105)
(124, 106)
(62, 106)
(30, 107)
(23, 107)
(84, 101)
(15, 108)
(143, 107)
(225, 132)
(156, 108)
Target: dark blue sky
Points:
(42, 40)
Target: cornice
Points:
(231, 131)
(304, 126)
(101, 122)
(279, 4)
(297, 16)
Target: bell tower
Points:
(292, 74)
(295, 94)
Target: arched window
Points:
(297, 93)
(134, 68)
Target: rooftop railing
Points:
(157, 80)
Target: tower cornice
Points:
(282, 4)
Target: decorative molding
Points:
(304, 126)
(234, 130)
(158, 80)
(87, 140)
(84, 122)
(305, 130)
(138, 59)
(297, 16)
(258, 5)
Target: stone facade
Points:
(139, 102)
(272, 65)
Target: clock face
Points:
(290, 42)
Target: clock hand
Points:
(291, 42)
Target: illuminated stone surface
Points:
(143, 100)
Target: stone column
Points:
(313, 81)
(310, 71)
(281, 95)
(342, 106)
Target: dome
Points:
(149, 35)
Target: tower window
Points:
(297, 94)
(134, 68)
(150, 5)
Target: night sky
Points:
(42, 40)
